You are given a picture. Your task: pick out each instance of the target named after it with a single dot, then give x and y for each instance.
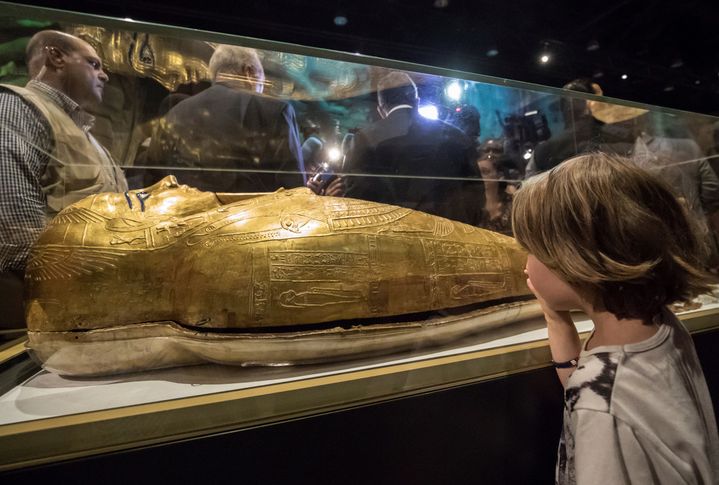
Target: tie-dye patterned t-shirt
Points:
(639, 413)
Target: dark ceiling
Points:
(668, 49)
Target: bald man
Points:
(48, 157)
(413, 161)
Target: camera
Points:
(324, 176)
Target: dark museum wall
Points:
(651, 51)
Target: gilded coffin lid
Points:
(283, 259)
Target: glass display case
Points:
(334, 226)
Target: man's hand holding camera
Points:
(325, 182)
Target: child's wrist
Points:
(558, 318)
(566, 364)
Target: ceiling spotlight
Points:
(625, 76)
(697, 82)
(341, 20)
(593, 45)
(598, 74)
(668, 89)
(492, 52)
(544, 58)
(441, 3)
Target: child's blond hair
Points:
(615, 232)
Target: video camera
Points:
(525, 129)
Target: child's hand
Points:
(556, 297)
(562, 335)
(550, 314)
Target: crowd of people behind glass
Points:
(243, 132)
(233, 138)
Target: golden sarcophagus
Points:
(169, 275)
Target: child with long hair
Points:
(610, 239)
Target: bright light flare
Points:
(454, 91)
(333, 154)
(429, 111)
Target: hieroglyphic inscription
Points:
(377, 302)
(378, 295)
(459, 264)
(467, 249)
(316, 273)
(307, 258)
(429, 247)
(373, 252)
(467, 258)
(260, 298)
(480, 264)
(317, 266)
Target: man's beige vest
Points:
(76, 168)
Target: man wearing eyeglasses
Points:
(48, 157)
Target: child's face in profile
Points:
(556, 293)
